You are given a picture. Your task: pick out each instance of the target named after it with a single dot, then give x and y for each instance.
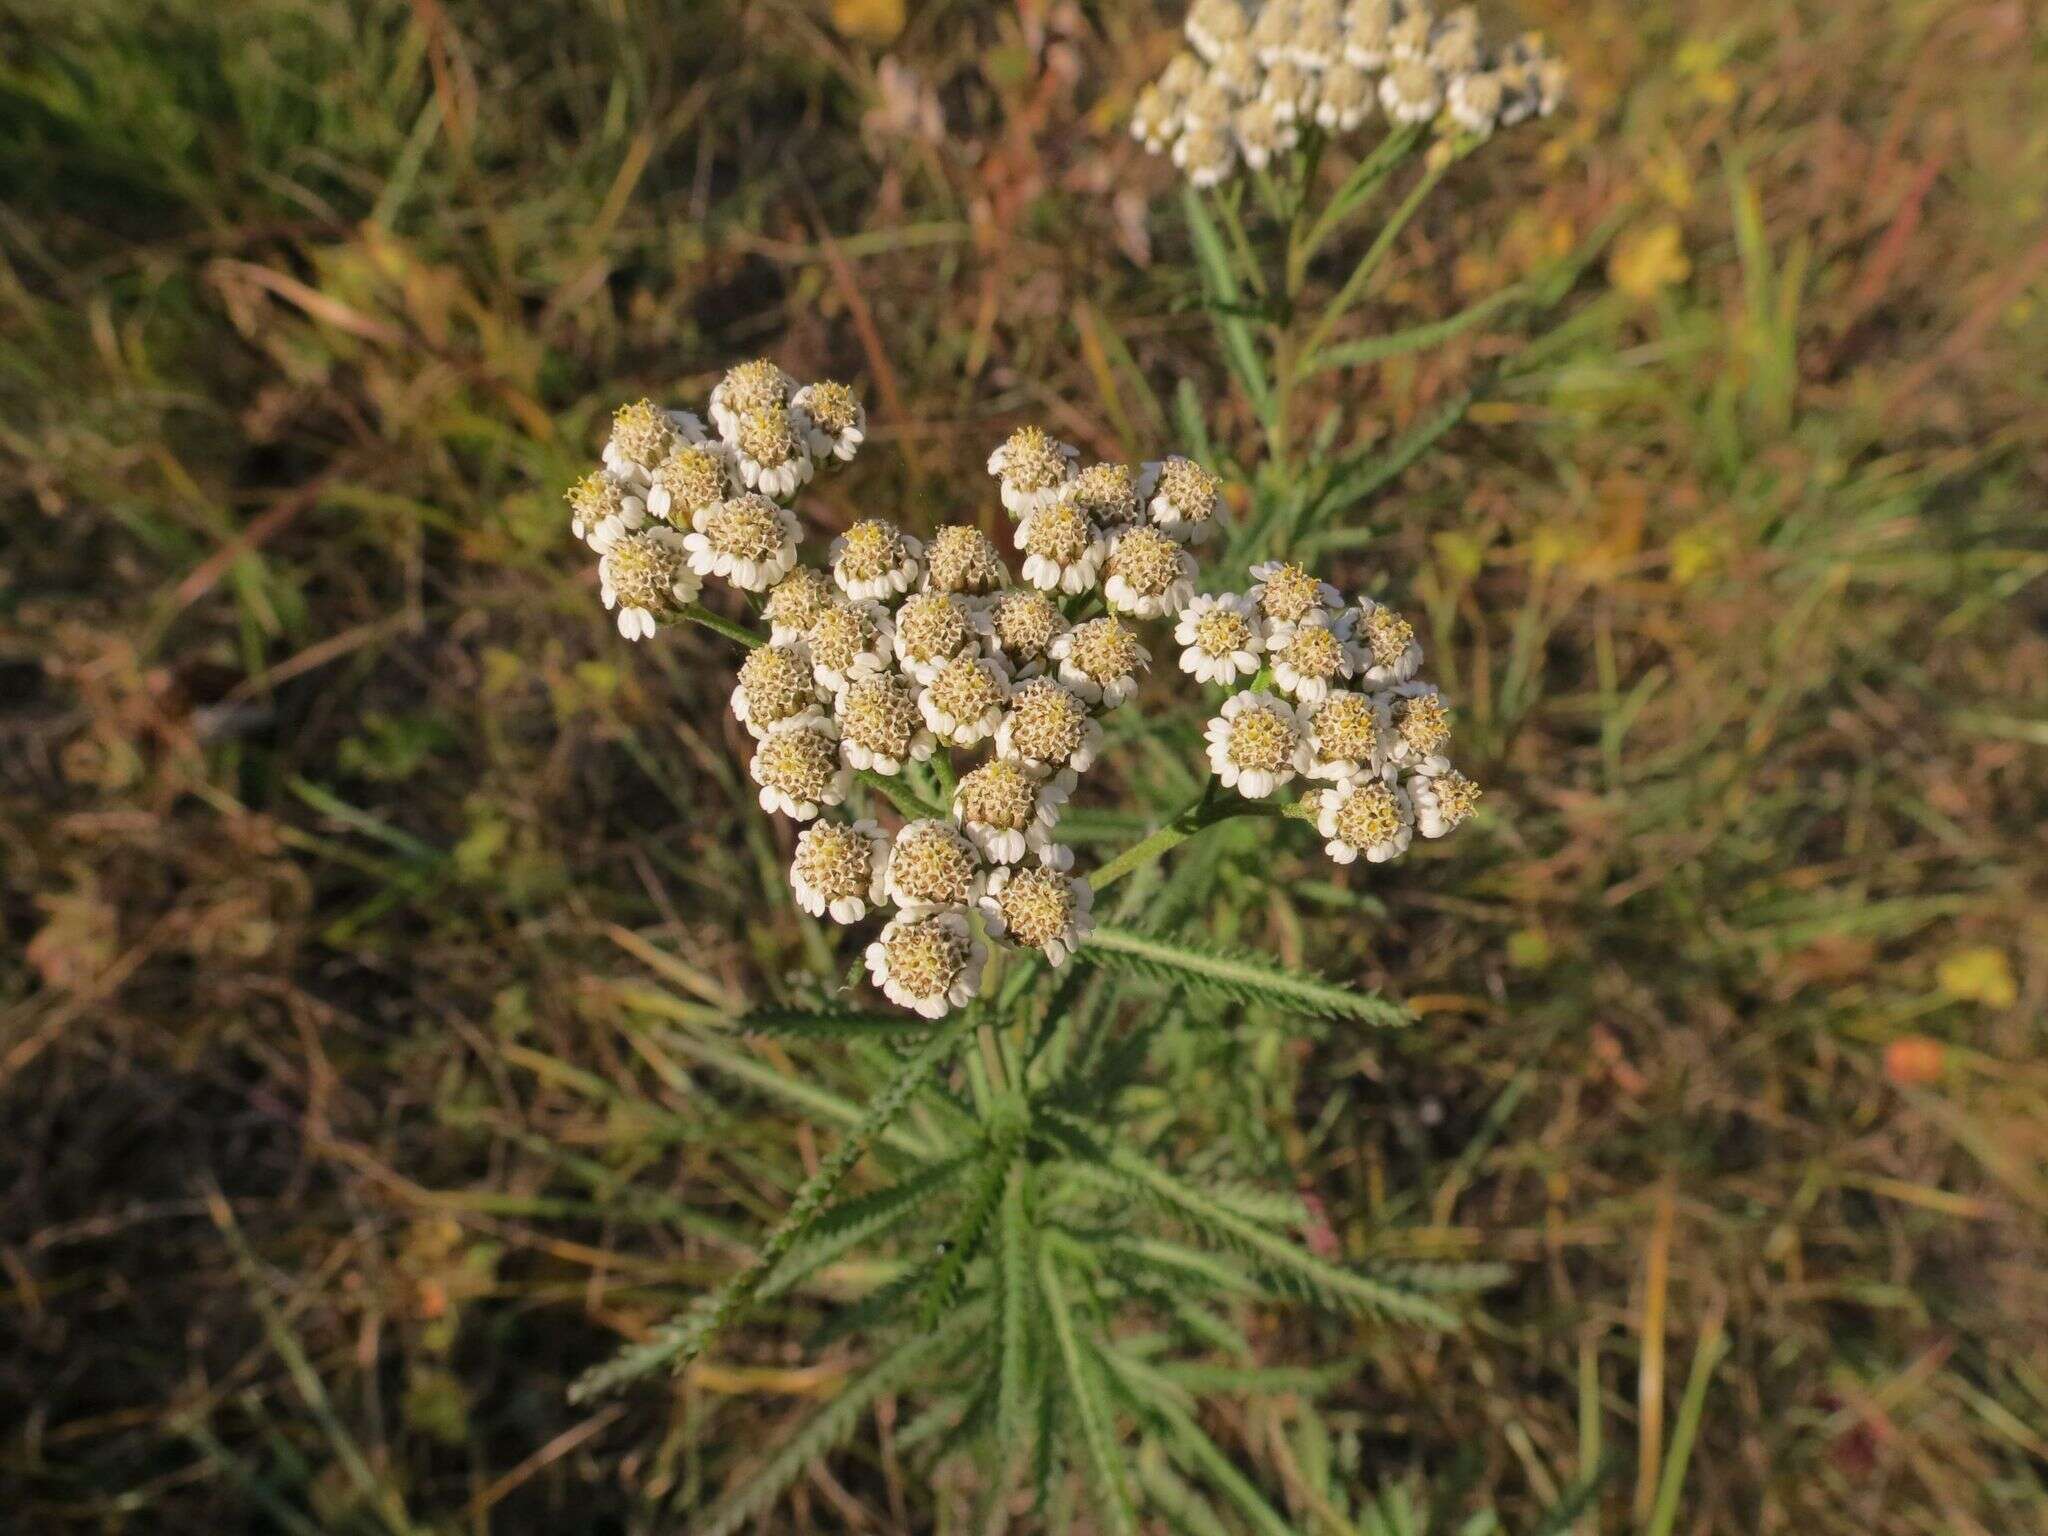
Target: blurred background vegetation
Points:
(333, 811)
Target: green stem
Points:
(1369, 264)
(1253, 270)
(900, 795)
(1363, 182)
(1207, 811)
(697, 613)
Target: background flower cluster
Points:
(1254, 77)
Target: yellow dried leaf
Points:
(1979, 975)
(868, 21)
(1647, 260)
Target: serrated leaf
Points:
(679, 1341)
(1241, 975)
(1091, 1414)
(1015, 1304)
(963, 1242)
(861, 1220)
(827, 1428)
(829, 1024)
(1284, 1262)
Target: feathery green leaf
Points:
(1246, 977)
(1287, 1264)
(679, 1341)
(828, 1427)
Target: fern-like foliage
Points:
(1240, 975)
(676, 1343)
(1286, 1263)
(831, 1425)
(829, 1024)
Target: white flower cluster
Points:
(898, 650)
(1332, 697)
(1261, 72)
(675, 502)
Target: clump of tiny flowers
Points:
(673, 502)
(1257, 74)
(1331, 701)
(893, 654)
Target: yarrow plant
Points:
(933, 712)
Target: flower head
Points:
(875, 559)
(1389, 651)
(1368, 29)
(1048, 726)
(1288, 92)
(880, 728)
(1475, 101)
(933, 867)
(840, 869)
(931, 629)
(1101, 660)
(929, 964)
(647, 577)
(772, 448)
(835, 421)
(1186, 500)
(1023, 623)
(1409, 37)
(1411, 92)
(1149, 574)
(1110, 496)
(1422, 729)
(1263, 132)
(692, 479)
(748, 540)
(960, 558)
(963, 699)
(799, 767)
(1207, 152)
(1286, 592)
(796, 602)
(1213, 25)
(1042, 908)
(1318, 41)
(1311, 655)
(642, 435)
(1007, 808)
(1344, 98)
(849, 640)
(1063, 549)
(1221, 636)
(755, 386)
(1365, 816)
(1031, 467)
(1347, 736)
(1272, 31)
(1455, 44)
(602, 508)
(1442, 801)
(1256, 744)
(776, 684)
